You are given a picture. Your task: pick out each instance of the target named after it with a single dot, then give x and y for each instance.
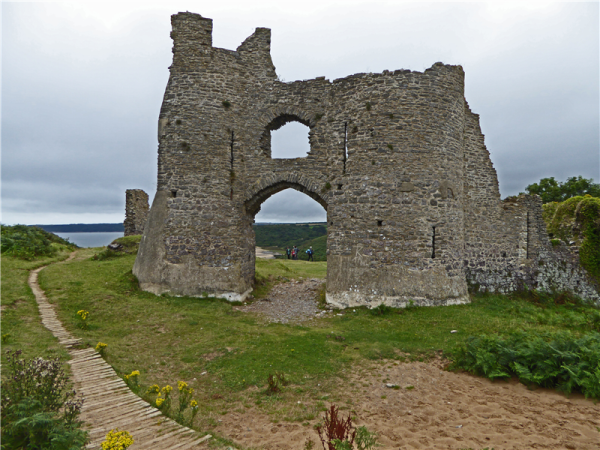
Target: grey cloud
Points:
(80, 100)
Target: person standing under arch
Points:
(310, 252)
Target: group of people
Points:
(293, 253)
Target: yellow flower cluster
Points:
(167, 389)
(83, 314)
(133, 374)
(194, 404)
(159, 401)
(154, 389)
(117, 440)
(181, 385)
(101, 346)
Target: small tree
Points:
(556, 191)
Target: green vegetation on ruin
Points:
(577, 219)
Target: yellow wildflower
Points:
(154, 389)
(194, 404)
(181, 385)
(117, 440)
(159, 401)
(167, 389)
(101, 346)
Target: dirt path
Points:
(264, 254)
(108, 401)
(294, 301)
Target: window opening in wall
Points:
(339, 186)
(345, 145)
(231, 148)
(527, 235)
(231, 171)
(433, 243)
(291, 140)
(173, 193)
(379, 223)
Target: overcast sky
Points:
(82, 85)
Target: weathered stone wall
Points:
(537, 266)
(136, 211)
(397, 159)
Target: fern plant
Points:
(555, 360)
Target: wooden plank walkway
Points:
(108, 402)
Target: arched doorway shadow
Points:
(254, 203)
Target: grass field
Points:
(21, 323)
(227, 355)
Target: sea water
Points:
(91, 239)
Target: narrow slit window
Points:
(433, 243)
(231, 149)
(527, 243)
(345, 144)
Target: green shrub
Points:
(587, 220)
(130, 244)
(381, 310)
(578, 219)
(558, 360)
(27, 242)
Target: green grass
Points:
(21, 324)
(179, 338)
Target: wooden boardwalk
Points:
(108, 402)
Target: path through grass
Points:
(21, 323)
(227, 355)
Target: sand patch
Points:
(442, 410)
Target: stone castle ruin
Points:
(136, 211)
(397, 159)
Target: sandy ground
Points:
(444, 410)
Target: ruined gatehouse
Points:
(397, 159)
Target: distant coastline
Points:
(84, 228)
